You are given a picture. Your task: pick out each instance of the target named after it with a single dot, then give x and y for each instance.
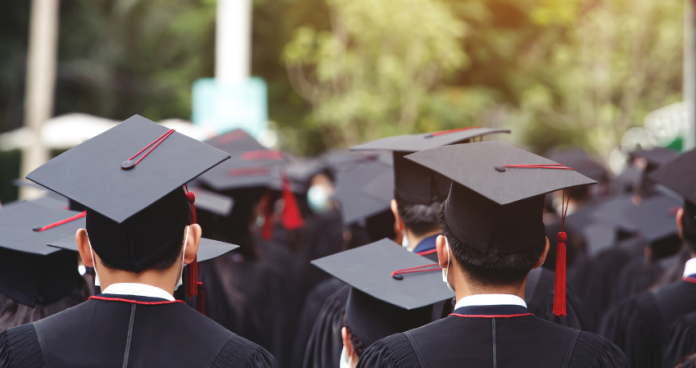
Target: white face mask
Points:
(318, 199)
(94, 264)
(445, 271)
(346, 361)
(183, 257)
(404, 241)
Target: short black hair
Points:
(493, 267)
(358, 346)
(420, 218)
(168, 258)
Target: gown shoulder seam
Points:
(415, 349)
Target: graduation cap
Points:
(614, 210)
(654, 158)
(414, 183)
(580, 161)
(130, 179)
(32, 273)
(236, 141)
(213, 202)
(496, 200)
(380, 305)
(679, 175)
(354, 202)
(655, 217)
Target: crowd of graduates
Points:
(294, 251)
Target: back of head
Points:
(496, 266)
(150, 239)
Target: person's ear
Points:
(194, 239)
(441, 246)
(543, 255)
(83, 247)
(398, 223)
(346, 341)
(680, 224)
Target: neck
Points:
(463, 286)
(163, 279)
(414, 240)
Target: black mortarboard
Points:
(354, 202)
(31, 272)
(258, 168)
(213, 202)
(414, 183)
(493, 206)
(655, 156)
(654, 218)
(301, 171)
(679, 175)
(614, 210)
(580, 161)
(380, 305)
(130, 180)
(236, 141)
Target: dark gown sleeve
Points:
(325, 343)
(634, 326)
(19, 348)
(594, 351)
(394, 351)
(241, 353)
(682, 341)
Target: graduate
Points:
(641, 324)
(37, 281)
(384, 296)
(419, 191)
(140, 232)
(493, 235)
(254, 287)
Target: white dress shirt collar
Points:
(690, 267)
(490, 299)
(126, 288)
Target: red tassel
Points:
(559, 301)
(267, 229)
(200, 300)
(192, 279)
(192, 269)
(292, 218)
(192, 199)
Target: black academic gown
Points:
(600, 279)
(682, 341)
(311, 309)
(128, 331)
(324, 347)
(539, 298)
(640, 325)
(493, 336)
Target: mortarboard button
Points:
(127, 165)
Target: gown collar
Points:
(690, 271)
(426, 245)
(491, 306)
(138, 290)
